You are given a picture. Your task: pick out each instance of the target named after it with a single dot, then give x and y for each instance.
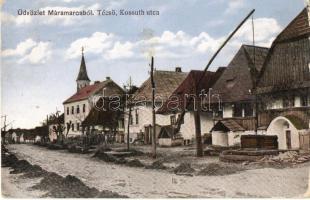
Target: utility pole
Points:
(3, 131)
(153, 110)
(255, 79)
(4, 125)
(129, 107)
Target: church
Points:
(78, 106)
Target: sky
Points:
(40, 55)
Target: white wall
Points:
(187, 129)
(227, 110)
(219, 138)
(297, 101)
(277, 127)
(76, 118)
(51, 133)
(145, 119)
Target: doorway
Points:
(288, 139)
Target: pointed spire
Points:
(82, 76)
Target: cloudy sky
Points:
(41, 54)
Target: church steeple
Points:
(82, 79)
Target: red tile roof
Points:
(187, 88)
(89, 90)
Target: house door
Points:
(288, 139)
(304, 141)
(147, 135)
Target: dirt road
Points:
(139, 183)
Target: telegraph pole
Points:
(153, 110)
(129, 112)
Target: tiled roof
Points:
(165, 82)
(237, 80)
(111, 89)
(187, 87)
(227, 125)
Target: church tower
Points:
(82, 79)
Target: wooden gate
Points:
(304, 141)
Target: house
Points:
(183, 94)
(56, 121)
(236, 113)
(283, 87)
(78, 106)
(141, 116)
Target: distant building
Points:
(284, 86)
(54, 123)
(78, 106)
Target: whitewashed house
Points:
(54, 123)
(78, 106)
(183, 113)
(140, 125)
(284, 86)
(235, 90)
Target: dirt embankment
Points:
(55, 185)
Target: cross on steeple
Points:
(82, 50)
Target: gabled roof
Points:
(84, 93)
(187, 87)
(237, 81)
(83, 72)
(287, 64)
(227, 125)
(165, 82)
(297, 28)
(167, 132)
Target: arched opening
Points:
(287, 133)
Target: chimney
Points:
(108, 78)
(96, 82)
(178, 69)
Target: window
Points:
(72, 110)
(121, 123)
(78, 126)
(77, 109)
(288, 102)
(84, 108)
(248, 109)
(68, 111)
(137, 117)
(72, 127)
(237, 110)
(172, 120)
(304, 100)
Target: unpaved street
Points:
(139, 183)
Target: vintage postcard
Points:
(155, 99)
